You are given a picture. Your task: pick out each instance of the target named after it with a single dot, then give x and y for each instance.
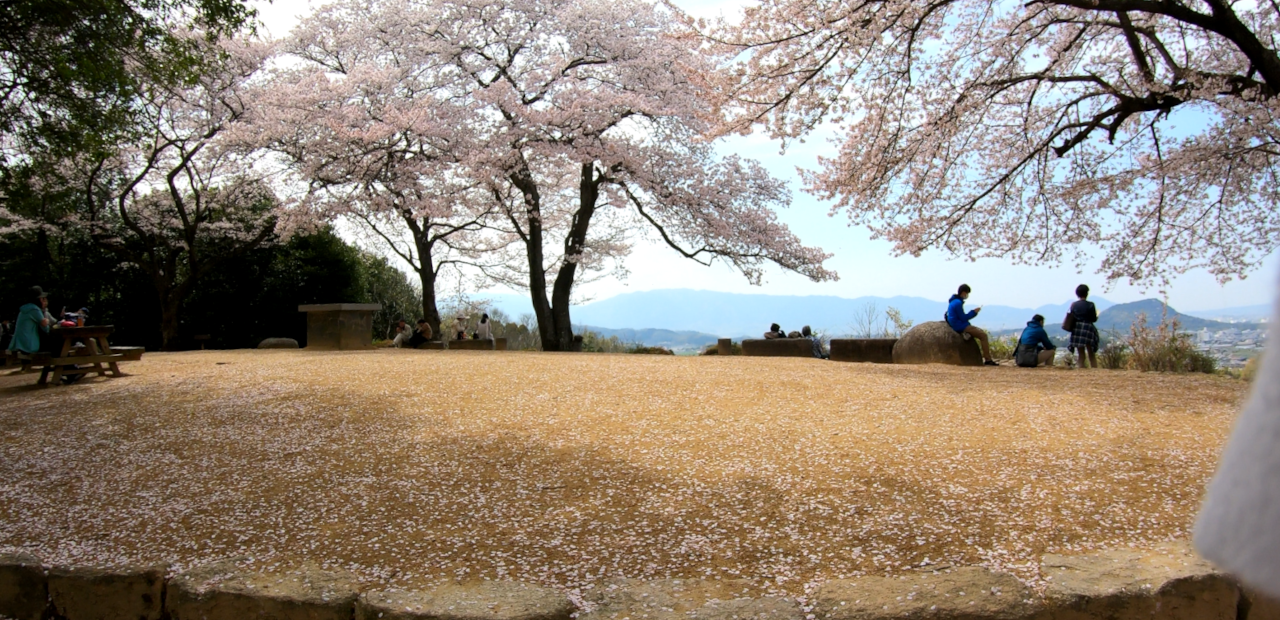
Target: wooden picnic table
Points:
(96, 352)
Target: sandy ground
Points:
(415, 467)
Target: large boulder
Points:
(278, 343)
(936, 343)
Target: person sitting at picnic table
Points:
(32, 325)
(774, 332)
(403, 334)
(958, 319)
(1084, 336)
(805, 332)
(1034, 347)
(421, 335)
(484, 331)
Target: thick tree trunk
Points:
(170, 307)
(427, 277)
(523, 181)
(574, 243)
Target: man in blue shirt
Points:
(33, 320)
(1034, 346)
(958, 319)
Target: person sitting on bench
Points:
(32, 328)
(1034, 346)
(774, 332)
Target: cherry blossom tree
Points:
(1038, 131)
(592, 115)
(182, 199)
(369, 125)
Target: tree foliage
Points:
(1034, 131)
(70, 70)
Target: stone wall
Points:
(872, 350)
(1166, 583)
(778, 347)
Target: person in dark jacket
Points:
(805, 332)
(774, 332)
(1034, 346)
(1084, 338)
(958, 319)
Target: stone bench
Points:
(872, 350)
(778, 347)
(497, 344)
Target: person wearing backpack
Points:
(958, 320)
(1034, 346)
(1080, 322)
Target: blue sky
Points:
(868, 267)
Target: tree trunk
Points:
(427, 277)
(523, 181)
(170, 306)
(574, 243)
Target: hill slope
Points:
(1122, 316)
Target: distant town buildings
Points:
(1231, 347)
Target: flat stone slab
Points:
(24, 590)
(968, 593)
(778, 347)
(491, 600)
(870, 350)
(224, 591)
(672, 599)
(86, 593)
(1169, 583)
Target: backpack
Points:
(1026, 355)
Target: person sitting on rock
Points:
(958, 319)
(1034, 346)
(421, 335)
(774, 332)
(805, 332)
(402, 334)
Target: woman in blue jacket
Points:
(33, 321)
(958, 319)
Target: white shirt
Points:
(484, 332)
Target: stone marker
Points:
(278, 343)
(490, 600)
(968, 593)
(873, 350)
(340, 327)
(24, 591)
(132, 592)
(684, 599)
(1169, 583)
(936, 343)
(724, 346)
(223, 591)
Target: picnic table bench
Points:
(95, 354)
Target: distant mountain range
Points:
(682, 317)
